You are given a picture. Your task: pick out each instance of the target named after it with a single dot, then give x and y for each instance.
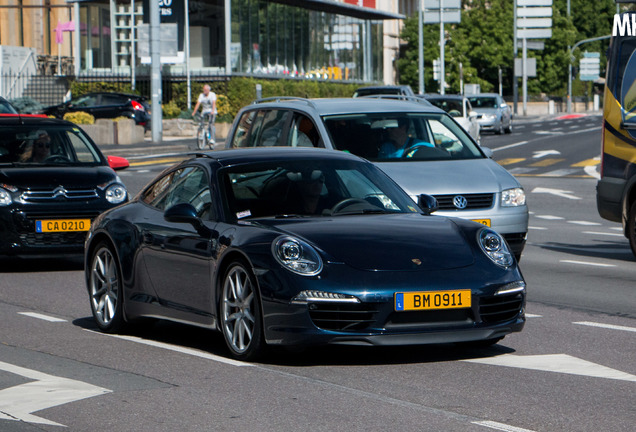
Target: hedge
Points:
(233, 94)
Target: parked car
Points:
(460, 109)
(54, 181)
(106, 105)
(442, 160)
(265, 268)
(6, 107)
(495, 113)
(401, 90)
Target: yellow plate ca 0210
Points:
(482, 221)
(417, 301)
(62, 225)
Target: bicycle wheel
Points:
(202, 138)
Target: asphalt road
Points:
(572, 368)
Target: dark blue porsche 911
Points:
(299, 246)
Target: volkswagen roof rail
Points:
(284, 98)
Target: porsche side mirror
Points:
(427, 203)
(186, 213)
(182, 213)
(117, 162)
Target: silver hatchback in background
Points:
(421, 147)
(495, 113)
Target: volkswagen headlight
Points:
(116, 193)
(513, 197)
(495, 247)
(297, 256)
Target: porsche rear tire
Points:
(240, 310)
(105, 289)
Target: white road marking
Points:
(559, 173)
(543, 153)
(500, 426)
(533, 316)
(537, 228)
(585, 130)
(603, 233)
(550, 132)
(45, 391)
(592, 171)
(617, 229)
(607, 326)
(559, 363)
(176, 348)
(586, 223)
(587, 263)
(556, 192)
(42, 317)
(549, 217)
(510, 146)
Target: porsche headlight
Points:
(513, 197)
(116, 193)
(297, 256)
(495, 247)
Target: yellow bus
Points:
(616, 189)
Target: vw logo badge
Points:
(460, 202)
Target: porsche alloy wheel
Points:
(105, 289)
(240, 313)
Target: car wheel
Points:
(509, 128)
(241, 321)
(631, 227)
(105, 289)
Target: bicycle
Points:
(203, 132)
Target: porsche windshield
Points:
(312, 188)
(401, 137)
(50, 145)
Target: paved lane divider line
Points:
(510, 146)
(42, 317)
(501, 426)
(585, 223)
(176, 348)
(587, 263)
(603, 233)
(606, 326)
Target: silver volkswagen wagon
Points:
(421, 147)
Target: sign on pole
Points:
(590, 66)
(441, 12)
(534, 21)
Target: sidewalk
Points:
(168, 146)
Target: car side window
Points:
(273, 128)
(112, 100)
(186, 185)
(256, 129)
(303, 132)
(243, 130)
(85, 101)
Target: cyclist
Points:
(207, 101)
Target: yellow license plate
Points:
(415, 301)
(62, 225)
(483, 221)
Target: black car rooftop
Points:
(268, 154)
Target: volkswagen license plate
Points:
(417, 301)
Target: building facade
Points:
(349, 40)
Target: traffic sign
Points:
(534, 33)
(436, 69)
(590, 66)
(531, 67)
(450, 16)
(446, 4)
(534, 22)
(532, 44)
(534, 2)
(534, 12)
